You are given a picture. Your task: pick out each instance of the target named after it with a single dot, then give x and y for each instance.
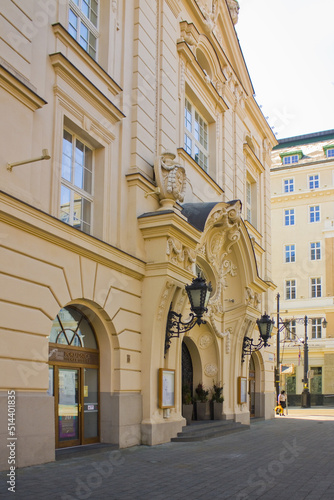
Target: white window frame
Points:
(289, 214)
(196, 142)
(314, 212)
(74, 189)
(316, 287)
(289, 184)
(290, 253)
(330, 153)
(76, 8)
(316, 328)
(314, 181)
(290, 289)
(288, 160)
(316, 250)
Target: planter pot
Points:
(200, 410)
(216, 410)
(187, 413)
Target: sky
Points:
(288, 47)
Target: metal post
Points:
(306, 396)
(278, 370)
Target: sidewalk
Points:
(296, 451)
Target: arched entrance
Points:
(251, 388)
(187, 369)
(74, 378)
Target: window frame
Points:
(290, 253)
(315, 179)
(316, 250)
(74, 189)
(315, 287)
(291, 288)
(290, 216)
(82, 19)
(316, 328)
(314, 212)
(190, 141)
(288, 183)
(290, 159)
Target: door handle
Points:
(80, 408)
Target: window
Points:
(248, 201)
(289, 217)
(289, 185)
(82, 24)
(313, 181)
(316, 328)
(330, 152)
(290, 289)
(76, 198)
(196, 138)
(316, 380)
(315, 287)
(290, 253)
(291, 330)
(315, 250)
(314, 213)
(288, 160)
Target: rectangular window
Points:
(289, 185)
(196, 136)
(314, 213)
(315, 287)
(330, 153)
(316, 380)
(290, 253)
(315, 250)
(83, 24)
(288, 160)
(290, 332)
(76, 197)
(290, 289)
(289, 217)
(249, 201)
(316, 328)
(313, 181)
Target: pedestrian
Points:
(282, 400)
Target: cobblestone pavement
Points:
(288, 457)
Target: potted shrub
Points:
(216, 402)
(187, 403)
(201, 398)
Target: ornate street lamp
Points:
(265, 326)
(198, 293)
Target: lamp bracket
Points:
(175, 326)
(248, 346)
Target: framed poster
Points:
(166, 388)
(242, 390)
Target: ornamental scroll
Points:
(171, 179)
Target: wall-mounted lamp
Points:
(198, 293)
(45, 156)
(265, 325)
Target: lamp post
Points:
(198, 294)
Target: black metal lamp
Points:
(265, 325)
(198, 293)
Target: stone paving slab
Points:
(292, 454)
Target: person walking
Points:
(282, 401)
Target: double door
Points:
(76, 395)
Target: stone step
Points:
(200, 431)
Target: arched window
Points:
(72, 328)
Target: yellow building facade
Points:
(302, 221)
(133, 157)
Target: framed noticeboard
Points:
(242, 390)
(166, 388)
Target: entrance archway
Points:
(251, 388)
(187, 369)
(74, 378)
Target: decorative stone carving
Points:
(210, 370)
(210, 11)
(205, 341)
(163, 300)
(252, 298)
(189, 33)
(171, 179)
(219, 334)
(180, 255)
(234, 10)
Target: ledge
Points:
(19, 90)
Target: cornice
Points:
(19, 90)
(62, 34)
(69, 73)
(138, 179)
(251, 156)
(42, 225)
(297, 195)
(175, 6)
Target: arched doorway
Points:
(251, 387)
(74, 378)
(187, 369)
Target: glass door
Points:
(69, 407)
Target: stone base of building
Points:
(34, 429)
(161, 432)
(121, 415)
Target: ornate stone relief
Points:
(163, 299)
(180, 255)
(210, 369)
(205, 340)
(252, 298)
(210, 11)
(221, 335)
(234, 10)
(171, 179)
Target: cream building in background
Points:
(302, 183)
(157, 167)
